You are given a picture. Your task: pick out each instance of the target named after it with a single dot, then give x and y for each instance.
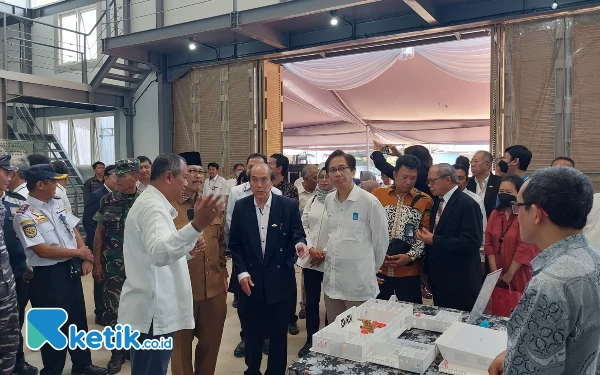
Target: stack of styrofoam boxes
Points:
(343, 338)
(469, 349)
(438, 323)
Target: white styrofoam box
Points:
(436, 323)
(402, 354)
(471, 346)
(343, 338)
(448, 368)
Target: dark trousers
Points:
(293, 304)
(270, 320)
(23, 296)
(53, 286)
(98, 287)
(240, 309)
(98, 299)
(407, 289)
(312, 287)
(150, 362)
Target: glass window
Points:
(82, 141)
(105, 139)
(68, 39)
(87, 19)
(60, 128)
(81, 21)
(86, 139)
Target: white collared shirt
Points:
(157, 290)
(480, 190)
(231, 183)
(447, 197)
(22, 190)
(358, 241)
(61, 191)
(479, 201)
(216, 186)
(262, 217)
(140, 186)
(239, 192)
(315, 224)
(49, 222)
(304, 196)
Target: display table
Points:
(320, 364)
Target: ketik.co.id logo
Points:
(44, 326)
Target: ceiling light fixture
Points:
(334, 18)
(192, 45)
(554, 5)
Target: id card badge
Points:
(409, 230)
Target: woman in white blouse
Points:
(314, 221)
(358, 239)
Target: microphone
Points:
(190, 214)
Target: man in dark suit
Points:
(265, 237)
(91, 207)
(453, 254)
(484, 183)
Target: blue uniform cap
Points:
(5, 163)
(42, 172)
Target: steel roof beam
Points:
(425, 9)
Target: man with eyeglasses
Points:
(554, 329)
(453, 255)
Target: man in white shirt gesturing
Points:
(157, 296)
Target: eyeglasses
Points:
(195, 172)
(516, 207)
(430, 182)
(340, 169)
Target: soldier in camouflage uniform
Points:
(9, 310)
(108, 245)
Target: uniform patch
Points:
(23, 208)
(29, 228)
(41, 218)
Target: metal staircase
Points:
(132, 76)
(23, 126)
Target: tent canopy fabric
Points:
(432, 94)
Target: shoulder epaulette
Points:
(22, 209)
(15, 196)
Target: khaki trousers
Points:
(337, 306)
(209, 315)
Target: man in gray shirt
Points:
(555, 328)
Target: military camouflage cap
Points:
(127, 165)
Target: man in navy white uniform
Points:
(18, 260)
(59, 258)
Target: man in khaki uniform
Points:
(208, 274)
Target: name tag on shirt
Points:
(355, 216)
